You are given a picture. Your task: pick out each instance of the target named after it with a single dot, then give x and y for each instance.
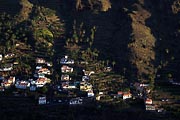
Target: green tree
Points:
(44, 89)
(113, 63)
(107, 62)
(57, 76)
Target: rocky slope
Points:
(140, 35)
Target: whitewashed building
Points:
(42, 100)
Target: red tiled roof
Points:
(120, 92)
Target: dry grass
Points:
(142, 46)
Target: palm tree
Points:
(78, 5)
(57, 77)
(89, 53)
(67, 42)
(103, 62)
(107, 62)
(124, 70)
(113, 63)
(90, 44)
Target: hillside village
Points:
(71, 91)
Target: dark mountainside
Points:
(141, 36)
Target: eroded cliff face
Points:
(143, 44)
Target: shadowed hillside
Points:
(164, 23)
(128, 32)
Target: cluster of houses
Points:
(7, 66)
(42, 70)
(67, 84)
(149, 104)
(143, 91)
(120, 94)
(6, 83)
(86, 86)
(66, 69)
(39, 79)
(125, 95)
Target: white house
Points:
(8, 83)
(66, 60)
(44, 71)
(127, 96)
(71, 86)
(84, 86)
(22, 84)
(38, 67)
(90, 93)
(144, 85)
(7, 67)
(40, 82)
(98, 97)
(11, 80)
(40, 60)
(67, 85)
(101, 93)
(41, 75)
(76, 101)
(148, 101)
(85, 78)
(42, 100)
(150, 108)
(49, 64)
(66, 69)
